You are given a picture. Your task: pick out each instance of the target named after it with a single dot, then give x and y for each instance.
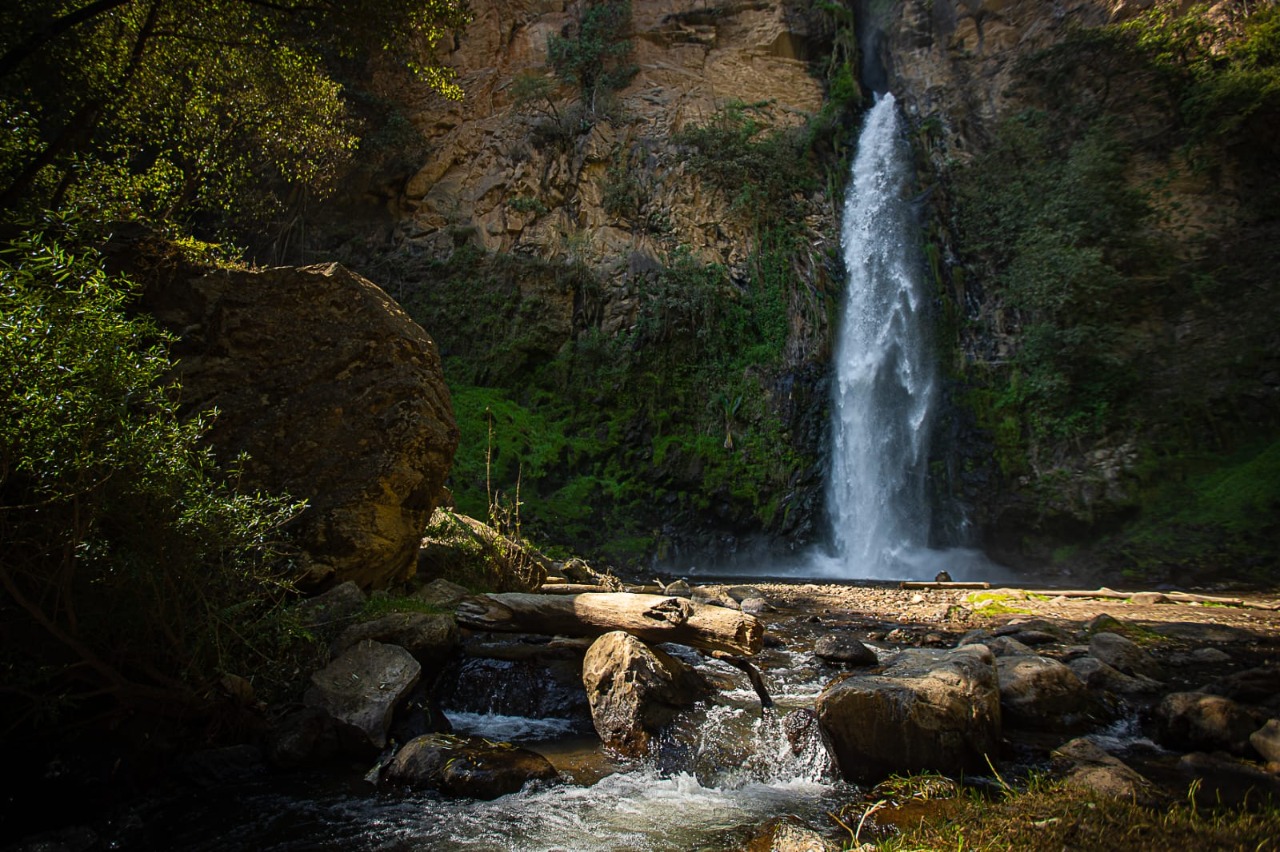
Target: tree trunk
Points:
(653, 618)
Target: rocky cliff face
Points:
(1200, 370)
(544, 219)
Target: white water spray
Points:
(885, 377)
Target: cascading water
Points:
(885, 377)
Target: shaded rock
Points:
(1103, 623)
(362, 688)
(1122, 654)
(807, 739)
(1043, 694)
(635, 690)
(306, 737)
(1266, 741)
(431, 639)
(419, 713)
(1228, 782)
(1098, 675)
(977, 636)
(1252, 686)
(1091, 768)
(1034, 637)
(331, 610)
(1196, 721)
(1007, 646)
(788, 834)
(218, 766)
(741, 593)
(844, 648)
(538, 687)
(311, 365)
(936, 710)
(442, 593)
(467, 767)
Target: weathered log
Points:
(653, 618)
(1110, 594)
(571, 588)
(946, 584)
(744, 665)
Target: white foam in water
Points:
(495, 726)
(885, 390)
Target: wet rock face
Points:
(467, 767)
(928, 710)
(362, 689)
(1197, 721)
(335, 394)
(1043, 694)
(635, 690)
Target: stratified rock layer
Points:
(336, 395)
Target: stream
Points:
(724, 768)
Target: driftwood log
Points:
(653, 618)
(944, 584)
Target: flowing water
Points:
(886, 381)
(729, 766)
(724, 769)
(886, 384)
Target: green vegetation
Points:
(594, 56)
(1076, 221)
(136, 572)
(213, 114)
(928, 812)
(146, 568)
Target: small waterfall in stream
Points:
(885, 380)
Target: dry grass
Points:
(920, 813)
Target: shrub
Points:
(145, 564)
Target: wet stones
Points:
(935, 710)
(1086, 766)
(1196, 721)
(1124, 655)
(469, 767)
(1043, 694)
(844, 649)
(362, 689)
(635, 690)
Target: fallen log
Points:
(571, 588)
(652, 618)
(945, 584)
(1110, 594)
(744, 665)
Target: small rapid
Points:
(719, 772)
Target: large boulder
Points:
(1196, 721)
(362, 689)
(469, 767)
(927, 710)
(635, 690)
(1043, 694)
(1124, 655)
(430, 638)
(335, 394)
(1086, 766)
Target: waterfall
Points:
(885, 379)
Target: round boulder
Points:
(635, 690)
(465, 767)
